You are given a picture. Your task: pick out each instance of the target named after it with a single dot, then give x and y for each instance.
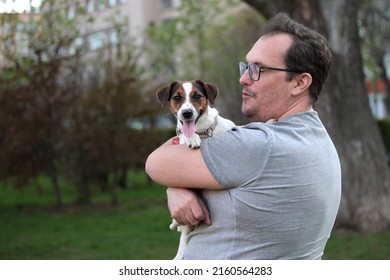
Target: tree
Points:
(64, 111)
(177, 56)
(344, 109)
(34, 72)
(224, 54)
(101, 139)
(169, 38)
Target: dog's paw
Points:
(174, 225)
(193, 142)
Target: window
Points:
(76, 45)
(117, 35)
(90, 6)
(113, 36)
(101, 4)
(71, 12)
(166, 4)
(96, 41)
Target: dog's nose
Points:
(187, 114)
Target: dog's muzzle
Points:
(187, 114)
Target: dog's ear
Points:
(210, 90)
(165, 93)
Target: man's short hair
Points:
(308, 53)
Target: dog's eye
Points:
(197, 96)
(177, 98)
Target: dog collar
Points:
(206, 134)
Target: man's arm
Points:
(179, 166)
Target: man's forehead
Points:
(269, 49)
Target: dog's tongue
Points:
(189, 128)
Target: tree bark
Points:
(343, 107)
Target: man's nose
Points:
(245, 79)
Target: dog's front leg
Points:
(193, 142)
(174, 225)
(185, 230)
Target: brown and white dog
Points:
(190, 103)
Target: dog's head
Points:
(188, 101)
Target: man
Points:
(272, 187)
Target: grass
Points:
(135, 229)
(348, 245)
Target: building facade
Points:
(105, 21)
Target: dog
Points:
(196, 119)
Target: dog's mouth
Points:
(189, 120)
(189, 127)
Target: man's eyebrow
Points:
(255, 62)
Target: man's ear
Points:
(303, 82)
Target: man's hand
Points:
(186, 207)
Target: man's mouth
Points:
(246, 93)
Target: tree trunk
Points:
(113, 167)
(54, 180)
(343, 107)
(52, 156)
(83, 189)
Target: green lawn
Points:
(356, 246)
(136, 229)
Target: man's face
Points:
(269, 97)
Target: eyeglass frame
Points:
(260, 67)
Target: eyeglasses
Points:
(256, 69)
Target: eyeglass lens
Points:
(254, 70)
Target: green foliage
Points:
(206, 42)
(229, 43)
(64, 112)
(163, 41)
(37, 93)
(181, 45)
(373, 21)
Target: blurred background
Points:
(79, 116)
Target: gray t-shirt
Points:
(282, 191)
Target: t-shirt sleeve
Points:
(237, 157)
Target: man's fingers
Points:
(191, 219)
(200, 212)
(206, 214)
